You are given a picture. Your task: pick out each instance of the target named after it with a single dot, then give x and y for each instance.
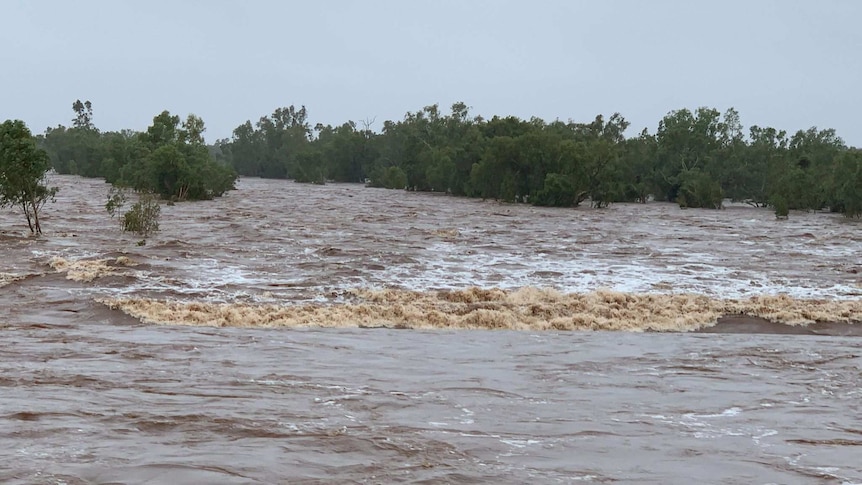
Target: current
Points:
(291, 333)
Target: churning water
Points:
(262, 338)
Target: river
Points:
(290, 333)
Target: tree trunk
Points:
(35, 216)
(27, 215)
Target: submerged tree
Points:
(696, 158)
(178, 165)
(170, 158)
(23, 169)
(79, 148)
(142, 218)
(847, 184)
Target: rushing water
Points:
(90, 394)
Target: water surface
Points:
(89, 394)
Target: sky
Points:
(788, 64)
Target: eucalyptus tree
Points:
(23, 169)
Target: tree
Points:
(557, 192)
(269, 150)
(752, 176)
(814, 153)
(393, 178)
(600, 145)
(171, 159)
(83, 115)
(847, 184)
(338, 154)
(638, 159)
(782, 210)
(695, 158)
(246, 149)
(142, 218)
(698, 189)
(178, 165)
(23, 169)
(76, 150)
(308, 167)
(193, 130)
(704, 154)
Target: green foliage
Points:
(169, 159)
(179, 166)
(847, 184)
(798, 187)
(23, 169)
(116, 200)
(83, 115)
(346, 152)
(557, 192)
(269, 148)
(487, 175)
(699, 190)
(308, 168)
(779, 203)
(751, 173)
(142, 218)
(695, 158)
(509, 189)
(391, 178)
(440, 172)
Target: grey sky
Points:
(787, 64)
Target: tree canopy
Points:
(170, 158)
(23, 169)
(696, 158)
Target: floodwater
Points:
(235, 346)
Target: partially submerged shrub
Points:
(390, 178)
(557, 192)
(142, 218)
(699, 190)
(782, 209)
(116, 200)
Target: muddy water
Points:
(115, 367)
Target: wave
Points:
(9, 278)
(528, 308)
(87, 270)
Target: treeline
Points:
(695, 158)
(169, 159)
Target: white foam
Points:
(734, 411)
(520, 443)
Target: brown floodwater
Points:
(289, 333)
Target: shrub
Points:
(782, 209)
(556, 192)
(142, 218)
(393, 178)
(699, 190)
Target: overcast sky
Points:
(782, 63)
